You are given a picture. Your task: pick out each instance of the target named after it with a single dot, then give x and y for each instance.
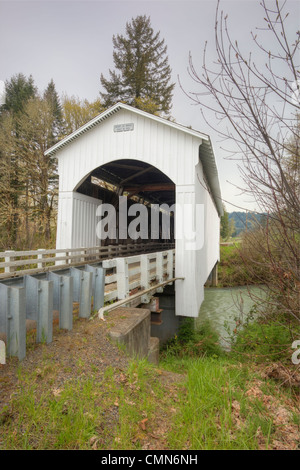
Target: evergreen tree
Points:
(224, 225)
(53, 100)
(10, 192)
(29, 125)
(19, 90)
(143, 72)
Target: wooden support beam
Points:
(123, 165)
(139, 173)
(150, 187)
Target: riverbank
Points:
(232, 271)
(83, 392)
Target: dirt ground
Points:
(87, 344)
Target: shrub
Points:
(194, 341)
(262, 341)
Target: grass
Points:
(84, 413)
(215, 413)
(232, 270)
(198, 398)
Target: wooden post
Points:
(8, 259)
(122, 278)
(214, 276)
(170, 264)
(160, 269)
(83, 255)
(61, 255)
(145, 276)
(2, 352)
(40, 256)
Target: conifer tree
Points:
(142, 70)
(53, 100)
(19, 90)
(224, 224)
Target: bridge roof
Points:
(107, 113)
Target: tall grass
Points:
(215, 413)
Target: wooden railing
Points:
(125, 276)
(19, 263)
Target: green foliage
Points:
(227, 226)
(51, 96)
(237, 268)
(243, 221)
(262, 341)
(78, 112)
(19, 90)
(224, 226)
(147, 104)
(214, 412)
(231, 271)
(30, 123)
(193, 341)
(143, 74)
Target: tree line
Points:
(31, 122)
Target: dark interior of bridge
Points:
(138, 181)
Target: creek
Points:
(223, 305)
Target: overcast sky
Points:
(71, 42)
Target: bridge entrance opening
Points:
(133, 182)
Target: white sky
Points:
(71, 42)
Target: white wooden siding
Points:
(176, 154)
(77, 220)
(170, 150)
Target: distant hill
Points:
(241, 219)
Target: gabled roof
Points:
(206, 154)
(117, 107)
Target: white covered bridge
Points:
(138, 214)
(128, 152)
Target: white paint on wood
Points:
(77, 221)
(172, 149)
(122, 278)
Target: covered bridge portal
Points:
(128, 153)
